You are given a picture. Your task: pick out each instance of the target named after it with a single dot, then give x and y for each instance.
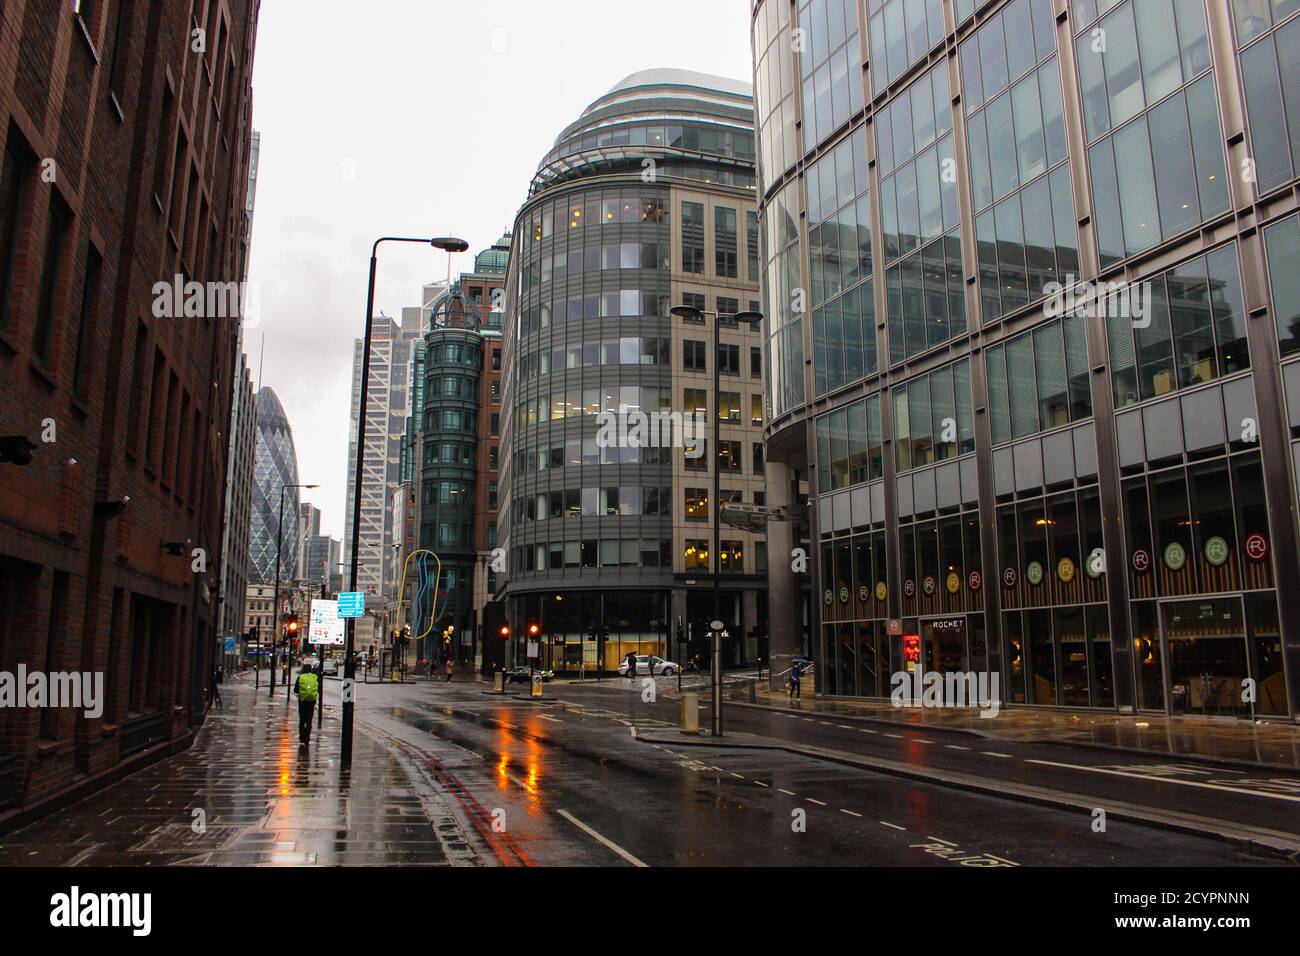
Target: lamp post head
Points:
(749, 317)
(686, 312)
(449, 244)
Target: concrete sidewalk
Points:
(246, 793)
(1274, 743)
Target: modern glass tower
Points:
(276, 467)
(646, 201)
(1094, 500)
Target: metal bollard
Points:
(690, 704)
(499, 682)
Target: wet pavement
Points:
(247, 794)
(449, 774)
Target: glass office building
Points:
(645, 202)
(275, 467)
(1093, 498)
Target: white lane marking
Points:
(895, 736)
(921, 740)
(554, 720)
(886, 823)
(788, 793)
(521, 783)
(850, 812)
(865, 731)
(760, 783)
(937, 840)
(592, 833)
(818, 802)
(738, 776)
(825, 723)
(1185, 783)
(956, 747)
(844, 726)
(994, 753)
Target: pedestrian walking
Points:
(631, 665)
(795, 677)
(448, 667)
(307, 687)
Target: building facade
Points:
(1094, 500)
(125, 157)
(646, 201)
(275, 473)
(386, 413)
(237, 539)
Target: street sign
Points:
(326, 626)
(352, 604)
(230, 645)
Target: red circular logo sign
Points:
(909, 587)
(1141, 561)
(863, 593)
(976, 580)
(1009, 577)
(1256, 546)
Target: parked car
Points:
(331, 668)
(649, 664)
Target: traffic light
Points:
(534, 630)
(291, 628)
(505, 630)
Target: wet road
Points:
(547, 784)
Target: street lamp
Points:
(449, 245)
(275, 607)
(691, 313)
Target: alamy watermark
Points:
(632, 428)
(207, 300)
(79, 690)
(951, 689)
(1116, 300)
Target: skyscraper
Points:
(276, 468)
(1092, 497)
(646, 201)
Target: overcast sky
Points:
(420, 118)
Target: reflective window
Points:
(693, 237)
(1282, 243)
(830, 58)
(1270, 70)
(849, 450)
(902, 32)
(933, 417)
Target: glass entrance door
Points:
(1206, 649)
(945, 645)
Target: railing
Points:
(142, 732)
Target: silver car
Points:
(649, 664)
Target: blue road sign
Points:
(352, 604)
(230, 645)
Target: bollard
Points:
(753, 692)
(690, 713)
(537, 685)
(499, 682)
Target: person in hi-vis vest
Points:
(307, 687)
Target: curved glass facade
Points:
(645, 202)
(275, 467)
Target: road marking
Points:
(937, 840)
(818, 802)
(865, 731)
(760, 783)
(844, 726)
(592, 833)
(554, 720)
(895, 736)
(994, 753)
(788, 793)
(825, 723)
(521, 783)
(1185, 783)
(921, 740)
(738, 776)
(850, 812)
(956, 747)
(886, 823)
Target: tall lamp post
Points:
(275, 619)
(691, 313)
(449, 245)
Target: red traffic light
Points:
(505, 630)
(293, 626)
(534, 630)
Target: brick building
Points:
(125, 129)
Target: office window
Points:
(693, 237)
(697, 504)
(751, 246)
(693, 356)
(755, 362)
(756, 410)
(1195, 330)
(55, 242)
(696, 554)
(13, 191)
(729, 456)
(726, 262)
(1282, 244)
(728, 359)
(732, 557)
(831, 81)
(757, 458)
(729, 407)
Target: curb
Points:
(1284, 846)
